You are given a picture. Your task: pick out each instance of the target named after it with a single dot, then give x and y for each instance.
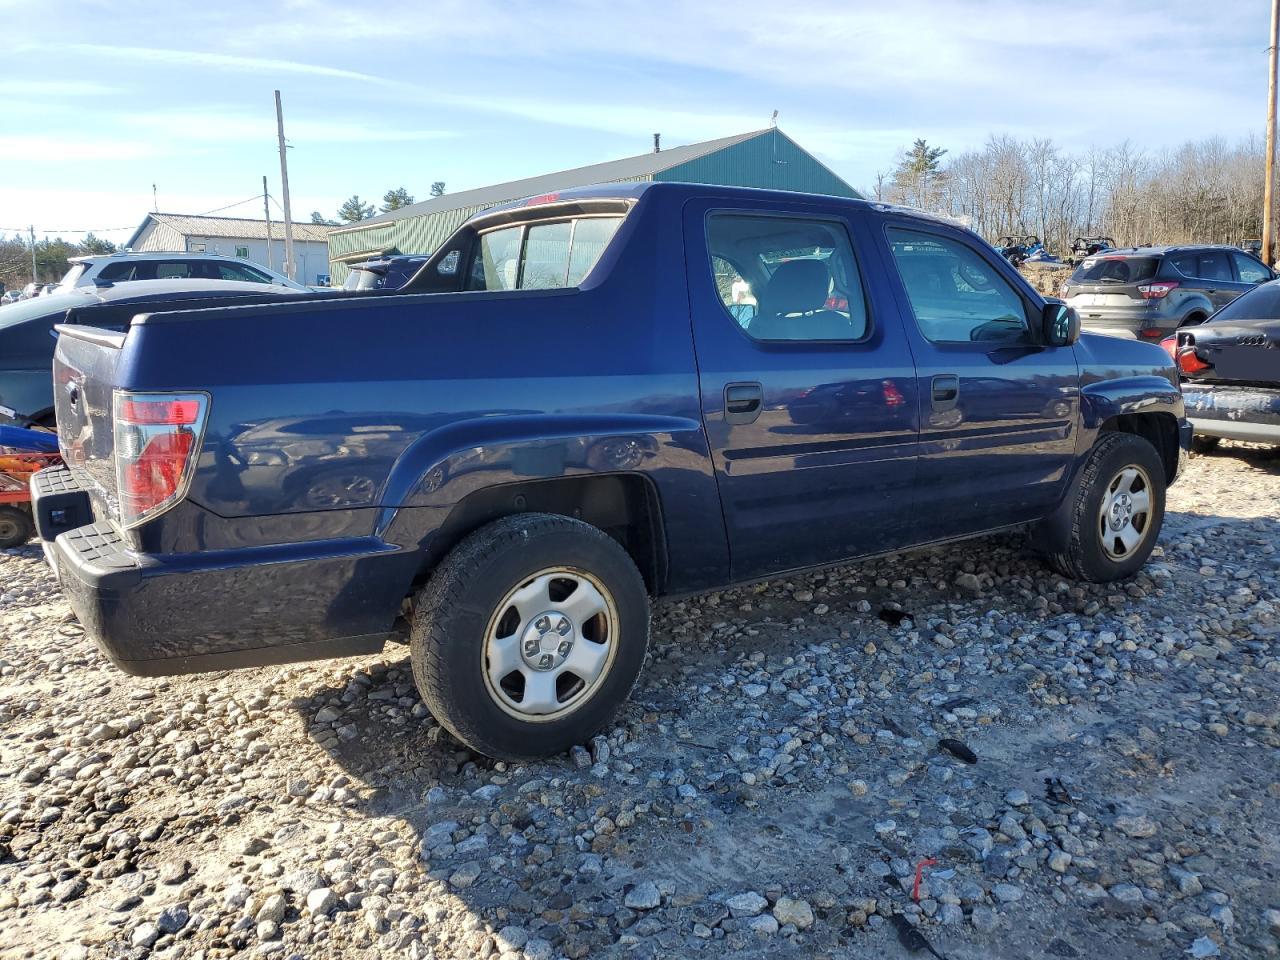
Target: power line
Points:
(131, 226)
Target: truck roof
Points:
(637, 189)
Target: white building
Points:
(237, 237)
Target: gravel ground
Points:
(770, 790)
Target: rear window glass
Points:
(1116, 270)
(1260, 303)
(540, 256)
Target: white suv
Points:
(97, 271)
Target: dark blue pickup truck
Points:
(580, 402)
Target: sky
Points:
(102, 99)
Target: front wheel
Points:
(529, 635)
(1117, 508)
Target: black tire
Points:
(1194, 320)
(1204, 444)
(1082, 555)
(468, 594)
(16, 527)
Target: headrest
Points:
(797, 286)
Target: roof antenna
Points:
(773, 121)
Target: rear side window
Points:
(1116, 270)
(173, 270)
(785, 278)
(540, 256)
(955, 294)
(119, 271)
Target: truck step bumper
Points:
(221, 610)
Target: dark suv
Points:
(1150, 292)
(385, 273)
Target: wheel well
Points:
(1193, 318)
(625, 506)
(1160, 429)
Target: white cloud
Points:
(218, 126)
(52, 149)
(55, 88)
(223, 61)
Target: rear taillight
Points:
(1170, 345)
(1189, 362)
(1157, 290)
(157, 437)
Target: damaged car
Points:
(1230, 369)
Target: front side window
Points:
(540, 256)
(1250, 270)
(236, 271)
(955, 294)
(784, 278)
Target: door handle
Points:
(945, 391)
(742, 402)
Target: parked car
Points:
(1230, 367)
(120, 267)
(1149, 292)
(11, 296)
(27, 332)
(385, 273)
(519, 449)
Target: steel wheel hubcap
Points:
(549, 644)
(1125, 515)
(8, 528)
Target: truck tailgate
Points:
(84, 369)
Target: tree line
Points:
(1203, 191)
(51, 258)
(353, 209)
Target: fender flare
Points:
(430, 472)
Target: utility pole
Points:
(266, 208)
(1268, 189)
(34, 277)
(155, 201)
(289, 266)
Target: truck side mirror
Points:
(1059, 325)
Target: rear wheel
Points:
(1117, 509)
(16, 527)
(529, 635)
(1194, 320)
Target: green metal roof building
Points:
(763, 158)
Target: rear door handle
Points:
(742, 402)
(945, 391)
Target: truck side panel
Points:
(412, 402)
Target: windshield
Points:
(1116, 270)
(71, 276)
(1260, 303)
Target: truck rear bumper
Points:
(218, 610)
(1233, 412)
